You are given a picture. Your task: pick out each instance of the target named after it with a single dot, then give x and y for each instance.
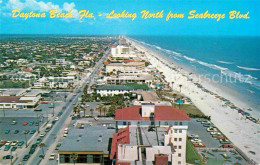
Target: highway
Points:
(51, 136)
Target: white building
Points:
(150, 133)
(111, 90)
(19, 102)
(129, 67)
(122, 51)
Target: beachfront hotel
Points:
(150, 134)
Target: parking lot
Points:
(198, 129)
(6, 124)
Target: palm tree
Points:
(104, 110)
(91, 110)
(180, 87)
(74, 157)
(41, 145)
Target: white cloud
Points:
(1, 1)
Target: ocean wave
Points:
(190, 59)
(248, 69)
(224, 62)
(212, 66)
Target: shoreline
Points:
(228, 120)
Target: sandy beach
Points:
(243, 133)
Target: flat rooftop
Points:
(12, 91)
(91, 138)
(148, 137)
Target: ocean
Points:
(233, 62)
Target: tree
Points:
(41, 145)
(74, 157)
(104, 110)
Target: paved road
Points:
(52, 135)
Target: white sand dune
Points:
(243, 133)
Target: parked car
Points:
(8, 143)
(56, 118)
(26, 131)
(26, 157)
(8, 157)
(14, 143)
(20, 143)
(3, 142)
(13, 122)
(7, 131)
(31, 123)
(36, 123)
(13, 148)
(32, 131)
(7, 147)
(25, 123)
(32, 150)
(16, 131)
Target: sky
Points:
(102, 25)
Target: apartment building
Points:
(130, 67)
(150, 134)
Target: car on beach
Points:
(25, 123)
(16, 131)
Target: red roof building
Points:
(161, 113)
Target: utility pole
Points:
(26, 145)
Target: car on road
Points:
(26, 157)
(58, 146)
(25, 123)
(20, 143)
(31, 123)
(60, 113)
(7, 131)
(7, 147)
(65, 135)
(56, 118)
(47, 129)
(32, 150)
(39, 140)
(26, 131)
(52, 156)
(8, 157)
(36, 123)
(13, 148)
(32, 131)
(16, 131)
(13, 122)
(43, 134)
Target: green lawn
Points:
(190, 109)
(192, 154)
